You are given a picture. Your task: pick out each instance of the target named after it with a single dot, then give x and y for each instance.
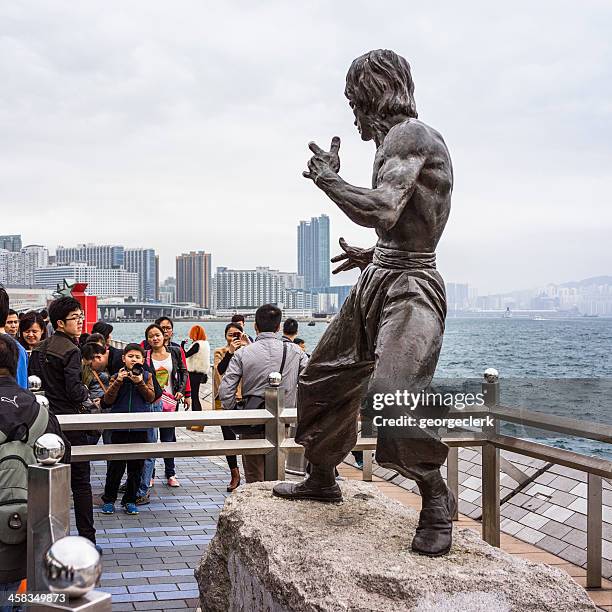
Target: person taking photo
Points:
(130, 390)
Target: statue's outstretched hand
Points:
(355, 257)
(323, 160)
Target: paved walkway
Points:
(149, 559)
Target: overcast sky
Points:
(184, 125)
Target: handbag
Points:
(168, 402)
(254, 402)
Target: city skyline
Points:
(118, 255)
(163, 149)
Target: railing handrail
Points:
(127, 420)
(584, 463)
(589, 430)
(552, 454)
(148, 450)
(559, 424)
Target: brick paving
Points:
(149, 559)
(550, 512)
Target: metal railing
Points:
(275, 445)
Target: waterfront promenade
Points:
(149, 559)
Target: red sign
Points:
(89, 304)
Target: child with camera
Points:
(130, 390)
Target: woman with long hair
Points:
(198, 365)
(171, 375)
(223, 355)
(32, 330)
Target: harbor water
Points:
(560, 366)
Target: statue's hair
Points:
(380, 83)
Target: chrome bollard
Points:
(48, 505)
(34, 383)
(57, 562)
(72, 566)
(274, 468)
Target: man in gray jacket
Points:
(252, 364)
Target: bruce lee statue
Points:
(388, 333)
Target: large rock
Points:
(280, 556)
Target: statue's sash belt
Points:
(393, 259)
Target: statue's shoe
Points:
(308, 490)
(434, 533)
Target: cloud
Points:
(185, 127)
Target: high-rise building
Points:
(34, 256)
(249, 289)
(157, 278)
(17, 267)
(167, 291)
(457, 296)
(11, 242)
(313, 252)
(143, 262)
(101, 256)
(11, 268)
(103, 282)
(332, 298)
(193, 278)
(299, 299)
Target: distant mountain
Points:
(588, 282)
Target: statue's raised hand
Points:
(323, 160)
(355, 257)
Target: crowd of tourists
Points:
(85, 373)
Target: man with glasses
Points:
(57, 361)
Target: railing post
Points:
(274, 467)
(48, 516)
(296, 462)
(48, 522)
(594, 517)
(367, 465)
(490, 466)
(452, 476)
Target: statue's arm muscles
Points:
(380, 207)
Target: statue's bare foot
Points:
(320, 486)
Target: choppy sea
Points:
(560, 366)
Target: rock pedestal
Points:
(275, 555)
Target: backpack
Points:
(16, 453)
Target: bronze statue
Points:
(388, 334)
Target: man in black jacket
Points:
(57, 361)
(18, 409)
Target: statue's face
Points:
(363, 123)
